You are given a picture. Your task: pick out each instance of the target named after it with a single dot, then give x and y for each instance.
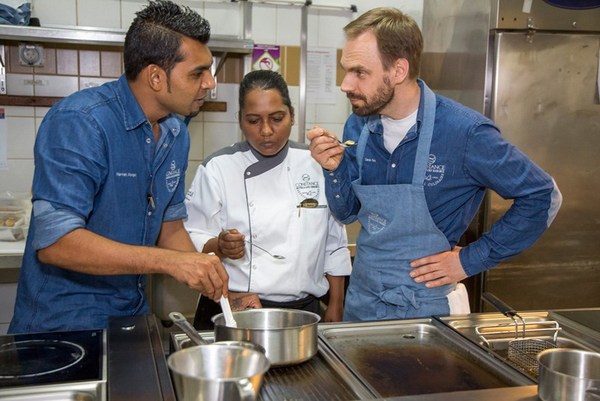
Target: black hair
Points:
(265, 80)
(155, 35)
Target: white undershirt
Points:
(394, 131)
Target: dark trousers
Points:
(207, 308)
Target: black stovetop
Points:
(48, 358)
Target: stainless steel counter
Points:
(523, 393)
(138, 364)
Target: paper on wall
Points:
(320, 80)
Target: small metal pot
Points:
(289, 336)
(217, 372)
(569, 375)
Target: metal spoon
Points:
(346, 144)
(279, 257)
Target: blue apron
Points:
(397, 228)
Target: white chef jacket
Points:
(259, 196)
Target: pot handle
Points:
(187, 328)
(593, 392)
(246, 390)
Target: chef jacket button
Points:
(255, 236)
(335, 181)
(148, 140)
(331, 174)
(393, 165)
(174, 130)
(254, 267)
(248, 173)
(337, 196)
(251, 204)
(149, 213)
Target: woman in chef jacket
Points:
(260, 205)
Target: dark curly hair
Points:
(155, 35)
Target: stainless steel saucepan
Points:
(569, 375)
(289, 336)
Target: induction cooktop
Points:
(53, 361)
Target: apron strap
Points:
(425, 135)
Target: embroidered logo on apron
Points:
(435, 172)
(375, 223)
(172, 176)
(307, 188)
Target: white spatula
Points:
(229, 320)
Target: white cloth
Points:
(233, 189)
(458, 301)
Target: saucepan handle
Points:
(593, 392)
(246, 390)
(187, 328)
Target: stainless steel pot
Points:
(289, 336)
(569, 375)
(217, 372)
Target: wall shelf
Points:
(100, 37)
(49, 101)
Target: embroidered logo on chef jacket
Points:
(172, 176)
(435, 172)
(307, 188)
(375, 223)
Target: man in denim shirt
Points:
(108, 190)
(417, 176)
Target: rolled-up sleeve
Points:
(51, 224)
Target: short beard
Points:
(385, 94)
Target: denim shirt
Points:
(97, 167)
(468, 154)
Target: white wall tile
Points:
(128, 10)
(312, 29)
(332, 113)
(196, 140)
(19, 84)
(55, 12)
(219, 135)
(21, 136)
(18, 177)
(190, 173)
(331, 25)
(289, 29)
(99, 13)
(225, 93)
(264, 26)
(18, 111)
(89, 82)
(224, 18)
(54, 85)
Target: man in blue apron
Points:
(415, 178)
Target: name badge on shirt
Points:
(309, 203)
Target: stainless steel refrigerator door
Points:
(545, 101)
